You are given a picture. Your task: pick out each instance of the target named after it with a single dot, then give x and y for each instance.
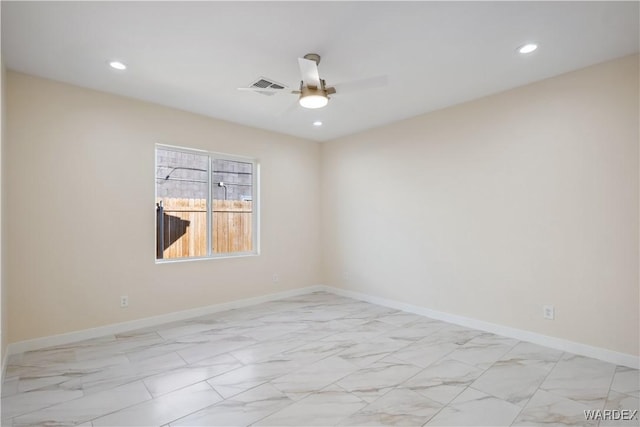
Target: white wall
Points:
(493, 208)
(80, 210)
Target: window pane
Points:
(181, 189)
(232, 206)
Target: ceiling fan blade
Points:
(291, 108)
(363, 84)
(309, 72)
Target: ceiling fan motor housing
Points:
(313, 57)
(312, 91)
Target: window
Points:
(205, 204)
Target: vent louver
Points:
(265, 83)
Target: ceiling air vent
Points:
(265, 83)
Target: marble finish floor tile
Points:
(627, 381)
(314, 377)
(23, 403)
(312, 352)
(113, 376)
(454, 334)
(241, 410)
(553, 410)
(266, 349)
(581, 379)
(399, 407)
(87, 408)
(399, 319)
(415, 331)
(483, 350)
(622, 402)
(526, 353)
(208, 349)
(376, 380)
(518, 374)
(120, 345)
(157, 349)
(242, 379)
(163, 409)
(443, 381)
(316, 359)
(426, 351)
(27, 383)
(10, 387)
(363, 332)
(366, 353)
(166, 382)
(475, 408)
(324, 408)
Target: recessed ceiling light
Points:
(117, 65)
(317, 123)
(528, 48)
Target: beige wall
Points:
(80, 210)
(493, 208)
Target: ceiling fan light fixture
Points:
(313, 101)
(313, 98)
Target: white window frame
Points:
(255, 194)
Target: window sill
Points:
(207, 258)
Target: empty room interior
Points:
(320, 213)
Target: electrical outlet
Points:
(124, 301)
(548, 312)
(276, 278)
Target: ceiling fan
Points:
(314, 93)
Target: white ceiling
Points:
(194, 55)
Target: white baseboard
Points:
(117, 328)
(519, 334)
(610, 356)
